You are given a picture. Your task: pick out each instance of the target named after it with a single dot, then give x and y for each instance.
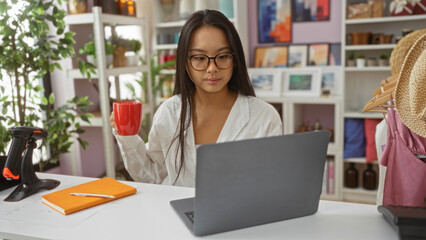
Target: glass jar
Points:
(351, 176)
(369, 178)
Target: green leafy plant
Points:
(384, 56)
(352, 56)
(361, 57)
(28, 53)
(157, 80)
(135, 45)
(89, 48)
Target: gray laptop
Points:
(251, 182)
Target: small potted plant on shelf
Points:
(90, 51)
(351, 59)
(383, 61)
(132, 52)
(371, 61)
(360, 61)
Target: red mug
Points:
(128, 117)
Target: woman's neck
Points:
(225, 98)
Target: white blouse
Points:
(155, 161)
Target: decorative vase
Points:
(185, 8)
(167, 6)
(201, 5)
(77, 6)
(227, 8)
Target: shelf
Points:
(386, 19)
(112, 19)
(363, 115)
(168, 71)
(358, 160)
(75, 73)
(370, 47)
(95, 121)
(170, 24)
(368, 69)
(165, 46)
(359, 190)
(304, 100)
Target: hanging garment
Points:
(405, 183)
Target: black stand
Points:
(30, 183)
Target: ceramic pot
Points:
(351, 63)
(371, 62)
(383, 62)
(360, 62)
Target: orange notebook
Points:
(65, 203)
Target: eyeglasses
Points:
(201, 62)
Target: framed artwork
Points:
(331, 80)
(274, 21)
(266, 81)
(318, 54)
(297, 56)
(302, 82)
(310, 10)
(271, 57)
(334, 59)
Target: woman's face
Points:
(209, 42)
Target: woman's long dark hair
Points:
(239, 82)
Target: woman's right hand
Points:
(112, 121)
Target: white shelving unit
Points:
(101, 119)
(292, 115)
(360, 83)
(174, 26)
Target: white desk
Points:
(148, 215)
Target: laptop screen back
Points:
(251, 182)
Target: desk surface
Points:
(148, 215)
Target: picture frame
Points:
(297, 56)
(302, 82)
(274, 21)
(271, 57)
(335, 54)
(331, 81)
(318, 54)
(267, 82)
(308, 10)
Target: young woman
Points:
(213, 101)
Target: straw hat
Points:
(401, 49)
(410, 92)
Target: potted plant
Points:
(351, 59)
(383, 60)
(28, 53)
(360, 61)
(371, 61)
(132, 56)
(90, 50)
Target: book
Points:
(65, 203)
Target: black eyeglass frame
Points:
(208, 61)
